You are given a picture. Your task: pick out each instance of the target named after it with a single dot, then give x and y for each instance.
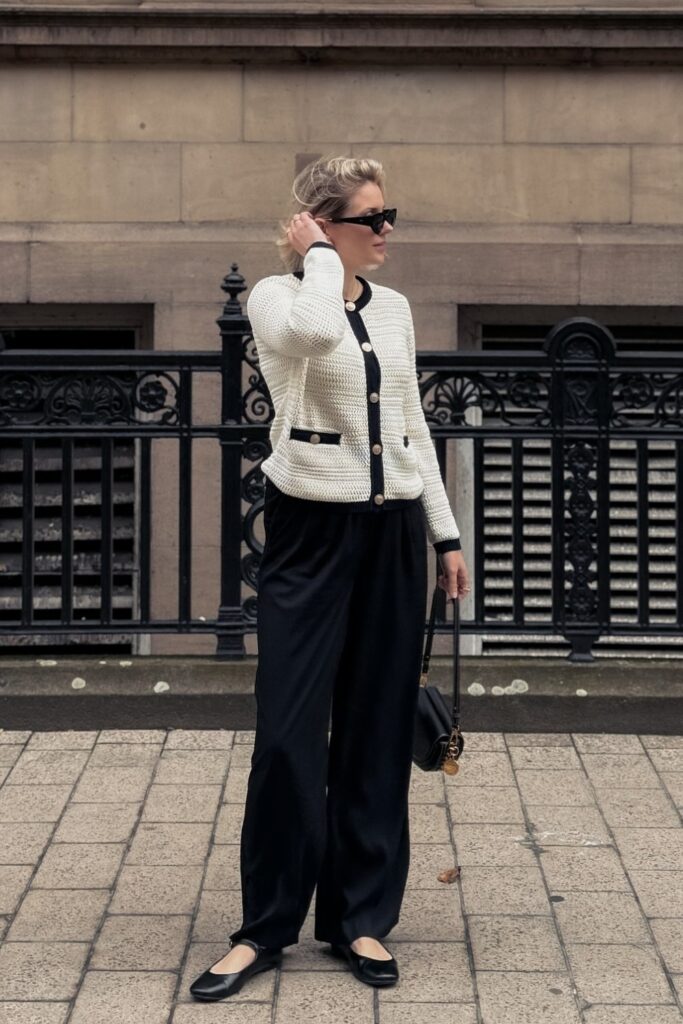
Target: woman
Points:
(351, 484)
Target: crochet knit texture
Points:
(349, 424)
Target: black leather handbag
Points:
(438, 742)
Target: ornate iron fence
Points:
(578, 407)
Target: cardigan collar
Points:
(362, 299)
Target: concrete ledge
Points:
(198, 676)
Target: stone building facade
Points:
(534, 153)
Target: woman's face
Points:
(357, 244)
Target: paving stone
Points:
(306, 996)
(431, 914)
(656, 849)
(14, 878)
(545, 758)
(426, 787)
(168, 889)
(600, 917)
(69, 739)
(14, 735)
(668, 934)
(605, 1014)
(59, 915)
(9, 754)
(48, 767)
(219, 914)
(113, 785)
(229, 1011)
(44, 970)
(32, 803)
(435, 1013)
(229, 823)
(200, 739)
(427, 861)
(485, 741)
(492, 805)
(482, 768)
(428, 824)
(673, 782)
(107, 996)
(117, 755)
(33, 1013)
(667, 759)
(87, 865)
(430, 972)
(562, 787)
(24, 842)
(192, 766)
(223, 868)
(181, 803)
(567, 826)
(245, 736)
(236, 784)
(538, 739)
(515, 890)
(606, 743)
(516, 997)
(97, 823)
(641, 808)
(583, 868)
(201, 956)
(618, 973)
(656, 742)
(167, 842)
(157, 736)
(621, 770)
(493, 845)
(141, 942)
(515, 943)
(660, 892)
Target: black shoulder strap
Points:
(456, 650)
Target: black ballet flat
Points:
(380, 973)
(209, 986)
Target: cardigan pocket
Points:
(314, 436)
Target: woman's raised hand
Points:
(302, 231)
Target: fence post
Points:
(581, 351)
(233, 326)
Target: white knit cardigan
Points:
(349, 424)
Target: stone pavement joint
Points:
(119, 882)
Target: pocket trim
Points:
(314, 436)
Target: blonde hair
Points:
(324, 188)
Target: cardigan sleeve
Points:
(441, 525)
(310, 321)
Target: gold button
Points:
(379, 498)
(376, 448)
(350, 305)
(314, 438)
(366, 346)
(374, 396)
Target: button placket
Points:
(373, 381)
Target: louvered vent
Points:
(87, 522)
(537, 527)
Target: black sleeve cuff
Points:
(447, 545)
(326, 245)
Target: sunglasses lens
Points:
(390, 215)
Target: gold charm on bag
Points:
(450, 762)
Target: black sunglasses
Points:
(373, 220)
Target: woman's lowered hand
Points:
(455, 579)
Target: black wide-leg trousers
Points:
(341, 612)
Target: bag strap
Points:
(456, 651)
